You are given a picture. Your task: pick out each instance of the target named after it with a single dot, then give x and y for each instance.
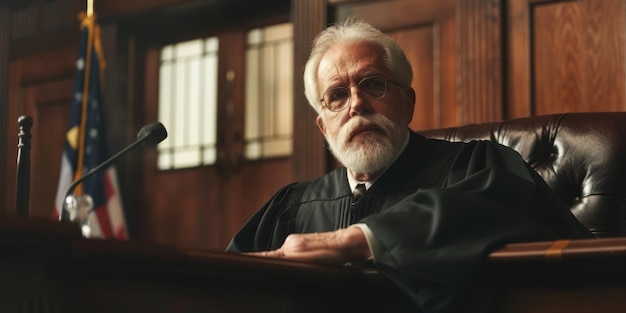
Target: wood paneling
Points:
(41, 87)
(50, 103)
(518, 97)
(310, 157)
(566, 56)
(479, 61)
(4, 126)
(426, 58)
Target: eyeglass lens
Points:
(338, 98)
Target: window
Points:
(269, 91)
(188, 103)
(188, 96)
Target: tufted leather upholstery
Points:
(582, 157)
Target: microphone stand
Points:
(65, 216)
(149, 135)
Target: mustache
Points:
(358, 124)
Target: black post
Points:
(22, 186)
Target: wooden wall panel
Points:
(421, 42)
(559, 69)
(38, 55)
(310, 157)
(480, 61)
(4, 68)
(50, 107)
(13, 111)
(41, 87)
(566, 56)
(518, 97)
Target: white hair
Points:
(349, 31)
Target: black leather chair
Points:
(582, 157)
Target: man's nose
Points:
(358, 103)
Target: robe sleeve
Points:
(271, 224)
(433, 241)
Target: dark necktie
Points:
(358, 191)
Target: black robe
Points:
(437, 212)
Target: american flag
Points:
(85, 141)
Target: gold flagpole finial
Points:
(89, 8)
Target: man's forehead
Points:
(352, 61)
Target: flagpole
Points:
(89, 8)
(88, 22)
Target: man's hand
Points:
(335, 248)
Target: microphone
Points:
(149, 136)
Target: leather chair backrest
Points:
(582, 157)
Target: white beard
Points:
(372, 151)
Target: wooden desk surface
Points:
(48, 267)
(560, 276)
(606, 248)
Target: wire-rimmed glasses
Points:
(372, 87)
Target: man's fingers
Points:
(337, 247)
(267, 254)
(316, 255)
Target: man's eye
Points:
(372, 83)
(337, 94)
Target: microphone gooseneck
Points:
(149, 136)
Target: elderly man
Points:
(430, 210)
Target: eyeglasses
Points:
(372, 87)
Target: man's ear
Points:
(410, 103)
(320, 125)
